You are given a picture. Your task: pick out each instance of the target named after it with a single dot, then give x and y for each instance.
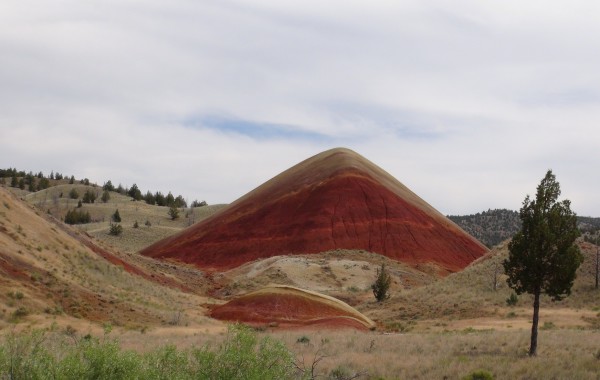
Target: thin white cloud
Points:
(468, 102)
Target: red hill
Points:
(336, 199)
(289, 306)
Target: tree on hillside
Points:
(382, 283)
(73, 194)
(72, 180)
(89, 196)
(149, 198)
(43, 183)
(542, 255)
(14, 182)
(160, 199)
(116, 217)
(108, 186)
(199, 204)
(173, 212)
(105, 196)
(134, 192)
(169, 200)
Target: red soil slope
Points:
(336, 199)
(288, 307)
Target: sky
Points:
(468, 103)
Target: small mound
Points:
(288, 306)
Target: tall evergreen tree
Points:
(170, 200)
(543, 257)
(134, 192)
(160, 199)
(149, 198)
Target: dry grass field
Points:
(429, 328)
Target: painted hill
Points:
(289, 306)
(334, 200)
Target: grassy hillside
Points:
(154, 222)
(469, 295)
(50, 272)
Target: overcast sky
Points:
(468, 103)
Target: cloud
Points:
(467, 103)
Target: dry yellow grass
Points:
(452, 326)
(53, 276)
(56, 200)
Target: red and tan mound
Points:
(334, 200)
(289, 306)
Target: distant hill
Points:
(492, 227)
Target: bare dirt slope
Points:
(334, 200)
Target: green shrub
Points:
(242, 356)
(479, 375)
(41, 355)
(77, 217)
(115, 229)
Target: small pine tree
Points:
(116, 217)
(381, 286)
(105, 196)
(148, 223)
(115, 229)
(73, 194)
(135, 224)
(108, 186)
(72, 180)
(14, 182)
(173, 212)
(89, 197)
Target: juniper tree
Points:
(116, 217)
(543, 257)
(381, 285)
(173, 212)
